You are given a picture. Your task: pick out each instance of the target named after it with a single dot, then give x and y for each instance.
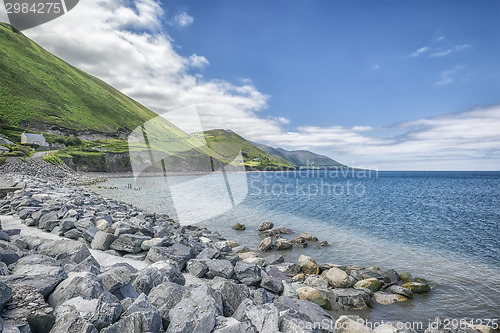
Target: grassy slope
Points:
(228, 144)
(37, 86)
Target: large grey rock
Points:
(283, 244)
(83, 284)
(90, 264)
(47, 220)
(348, 298)
(197, 267)
(208, 253)
(176, 252)
(230, 325)
(338, 278)
(129, 243)
(247, 273)
(266, 225)
(72, 321)
(28, 308)
(102, 241)
(8, 256)
(264, 318)
(197, 313)
(265, 244)
(115, 278)
(400, 291)
(136, 322)
(41, 272)
(262, 296)
(306, 311)
(156, 274)
(232, 295)
(100, 312)
(165, 296)
(142, 304)
(287, 268)
(5, 293)
(272, 281)
(75, 250)
(222, 268)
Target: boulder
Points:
(28, 308)
(313, 295)
(148, 244)
(316, 281)
(232, 295)
(156, 274)
(115, 278)
(102, 240)
(222, 268)
(406, 277)
(264, 318)
(165, 296)
(287, 268)
(83, 284)
(72, 321)
(308, 265)
(229, 325)
(102, 224)
(129, 243)
(398, 290)
(283, 244)
(41, 272)
(417, 287)
(88, 265)
(323, 243)
(338, 278)
(300, 242)
(266, 244)
(197, 313)
(266, 225)
(208, 253)
(239, 226)
(100, 312)
(372, 283)
(247, 273)
(384, 297)
(274, 259)
(176, 252)
(271, 280)
(348, 298)
(75, 250)
(5, 293)
(307, 237)
(262, 296)
(149, 321)
(305, 311)
(197, 267)
(288, 290)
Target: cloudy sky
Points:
(396, 85)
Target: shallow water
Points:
(441, 226)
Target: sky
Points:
(392, 85)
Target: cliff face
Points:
(109, 162)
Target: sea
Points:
(440, 226)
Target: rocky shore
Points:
(165, 277)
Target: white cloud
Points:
(198, 61)
(449, 51)
(447, 77)
(182, 20)
(420, 51)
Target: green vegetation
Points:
(53, 159)
(39, 87)
(228, 144)
(18, 150)
(2, 160)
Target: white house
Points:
(36, 139)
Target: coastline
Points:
(276, 270)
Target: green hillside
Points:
(228, 144)
(36, 86)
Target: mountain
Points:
(301, 158)
(39, 91)
(227, 142)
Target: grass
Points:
(2, 160)
(39, 87)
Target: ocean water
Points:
(441, 226)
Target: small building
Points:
(5, 141)
(4, 149)
(36, 139)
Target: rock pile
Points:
(194, 281)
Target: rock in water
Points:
(308, 265)
(313, 295)
(417, 287)
(266, 225)
(372, 283)
(266, 244)
(308, 237)
(338, 278)
(239, 226)
(282, 244)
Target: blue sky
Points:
(347, 62)
(393, 85)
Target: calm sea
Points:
(441, 226)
